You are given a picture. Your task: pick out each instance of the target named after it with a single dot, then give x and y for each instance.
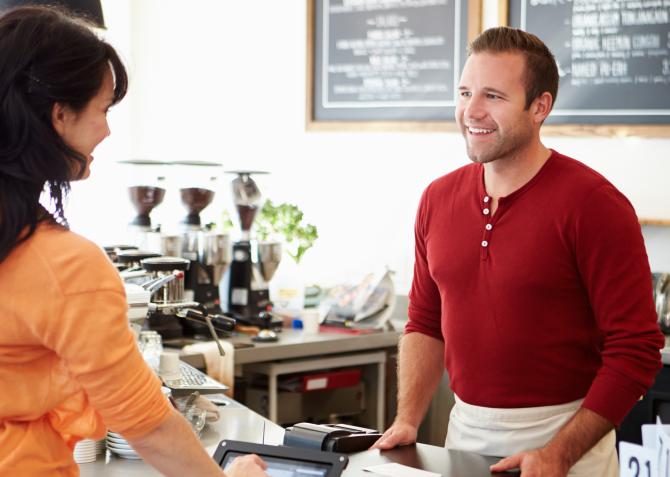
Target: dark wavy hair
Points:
(47, 56)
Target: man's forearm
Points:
(578, 436)
(174, 450)
(420, 369)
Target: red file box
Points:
(331, 379)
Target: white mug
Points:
(168, 368)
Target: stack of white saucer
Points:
(119, 446)
(100, 446)
(85, 451)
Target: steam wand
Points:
(224, 323)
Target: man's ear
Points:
(541, 107)
(60, 117)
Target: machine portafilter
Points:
(168, 303)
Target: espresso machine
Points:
(166, 285)
(253, 263)
(169, 309)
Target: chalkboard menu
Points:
(613, 57)
(398, 60)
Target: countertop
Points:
(239, 423)
(296, 344)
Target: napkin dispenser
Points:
(330, 437)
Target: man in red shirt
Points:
(531, 284)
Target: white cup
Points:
(168, 368)
(310, 321)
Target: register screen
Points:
(284, 467)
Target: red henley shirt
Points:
(545, 302)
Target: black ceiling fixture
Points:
(90, 9)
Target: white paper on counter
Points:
(399, 470)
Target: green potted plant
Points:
(284, 222)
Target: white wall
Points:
(225, 81)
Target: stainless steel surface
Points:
(173, 306)
(155, 283)
(166, 288)
(662, 299)
(236, 422)
(239, 423)
(269, 256)
(171, 245)
(214, 250)
(665, 352)
(294, 344)
(208, 248)
(138, 276)
(190, 241)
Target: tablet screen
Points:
(278, 467)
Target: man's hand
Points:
(247, 466)
(555, 459)
(399, 434)
(535, 463)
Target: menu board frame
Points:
(574, 127)
(354, 123)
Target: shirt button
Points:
(489, 226)
(486, 211)
(486, 199)
(485, 243)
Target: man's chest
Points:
(522, 245)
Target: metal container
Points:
(214, 251)
(269, 256)
(171, 245)
(661, 283)
(167, 284)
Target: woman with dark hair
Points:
(69, 366)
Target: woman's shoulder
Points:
(78, 264)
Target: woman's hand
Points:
(248, 466)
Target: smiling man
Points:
(531, 285)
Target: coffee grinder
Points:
(253, 263)
(207, 251)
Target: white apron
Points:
(504, 432)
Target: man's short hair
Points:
(541, 71)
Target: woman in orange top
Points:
(69, 366)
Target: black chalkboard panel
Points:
(387, 61)
(613, 57)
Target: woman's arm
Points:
(174, 450)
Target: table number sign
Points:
(652, 458)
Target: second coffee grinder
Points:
(207, 250)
